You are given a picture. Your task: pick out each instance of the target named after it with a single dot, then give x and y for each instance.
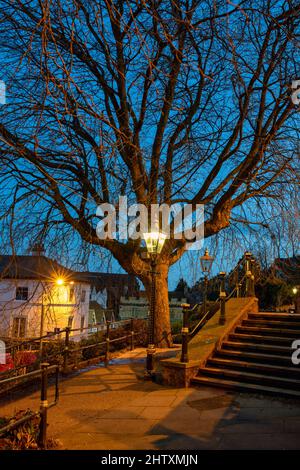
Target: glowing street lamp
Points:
(206, 262)
(295, 290)
(154, 242)
(60, 281)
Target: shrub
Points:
(23, 437)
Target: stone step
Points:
(244, 387)
(265, 331)
(294, 317)
(250, 377)
(254, 357)
(264, 348)
(272, 323)
(256, 367)
(276, 340)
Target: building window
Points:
(19, 324)
(22, 293)
(71, 294)
(82, 323)
(70, 321)
(83, 296)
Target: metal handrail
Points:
(210, 313)
(203, 318)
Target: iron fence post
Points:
(222, 318)
(185, 333)
(107, 343)
(131, 334)
(66, 350)
(42, 439)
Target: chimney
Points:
(38, 249)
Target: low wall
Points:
(203, 345)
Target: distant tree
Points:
(182, 286)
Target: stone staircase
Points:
(256, 357)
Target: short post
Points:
(237, 284)
(222, 318)
(252, 269)
(185, 333)
(131, 334)
(240, 285)
(107, 343)
(248, 273)
(66, 350)
(42, 439)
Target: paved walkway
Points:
(113, 409)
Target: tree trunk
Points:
(162, 324)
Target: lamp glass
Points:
(206, 262)
(155, 241)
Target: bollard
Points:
(42, 439)
(248, 273)
(185, 333)
(252, 269)
(222, 318)
(106, 360)
(66, 351)
(132, 335)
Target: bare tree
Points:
(163, 101)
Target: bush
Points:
(95, 351)
(9, 364)
(23, 437)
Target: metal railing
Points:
(64, 349)
(241, 280)
(43, 373)
(12, 379)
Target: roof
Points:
(112, 281)
(40, 267)
(36, 267)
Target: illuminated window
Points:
(22, 293)
(71, 294)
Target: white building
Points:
(38, 295)
(138, 306)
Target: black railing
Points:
(66, 349)
(241, 283)
(43, 373)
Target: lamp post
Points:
(154, 243)
(206, 262)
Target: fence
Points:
(68, 348)
(43, 373)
